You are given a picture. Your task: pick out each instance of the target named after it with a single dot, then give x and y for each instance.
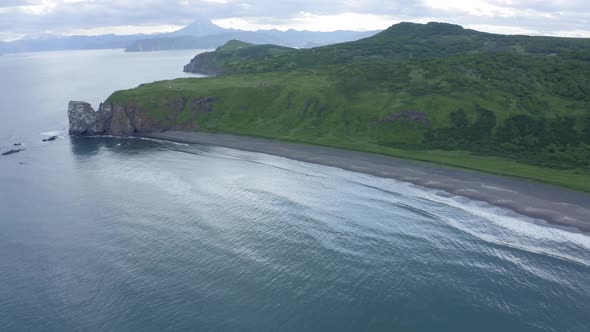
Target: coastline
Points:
(558, 207)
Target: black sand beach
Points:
(556, 206)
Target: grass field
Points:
(316, 106)
(510, 105)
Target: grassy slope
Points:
(342, 106)
(401, 41)
(227, 58)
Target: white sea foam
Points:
(516, 231)
(503, 217)
(160, 141)
(489, 223)
(54, 133)
(504, 226)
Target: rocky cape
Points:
(116, 119)
(534, 200)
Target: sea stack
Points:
(116, 119)
(84, 120)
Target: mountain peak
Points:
(411, 30)
(201, 27)
(233, 45)
(439, 27)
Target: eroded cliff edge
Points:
(116, 119)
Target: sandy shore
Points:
(559, 207)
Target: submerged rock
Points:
(50, 139)
(9, 152)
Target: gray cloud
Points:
(29, 17)
(13, 3)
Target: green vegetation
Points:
(521, 110)
(231, 55)
(400, 42)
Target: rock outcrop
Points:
(7, 153)
(125, 120)
(205, 64)
(110, 119)
(84, 120)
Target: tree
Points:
(586, 130)
(459, 119)
(563, 131)
(519, 126)
(484, 124)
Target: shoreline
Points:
(558, 207)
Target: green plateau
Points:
(509, 105)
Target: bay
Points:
(132, 234)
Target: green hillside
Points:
(400, 42)
(231, 55)
(518, 112)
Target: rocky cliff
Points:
(110, 119)
(204, 64)
(227, 59)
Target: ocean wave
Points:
(54, 133)
(160, 141)
(516, 230)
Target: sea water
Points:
(106, 234)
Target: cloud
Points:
(310, 21)
(32, 17)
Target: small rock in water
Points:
(18, 144)
(50, 139)
(12, 152)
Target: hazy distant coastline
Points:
(201, 34)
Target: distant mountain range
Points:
(201, 34)
(58, 43)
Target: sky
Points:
(36, 18)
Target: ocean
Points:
(118, 234)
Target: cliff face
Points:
(110, 119)
(83, 119)
(205, 64)
(227, 58)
